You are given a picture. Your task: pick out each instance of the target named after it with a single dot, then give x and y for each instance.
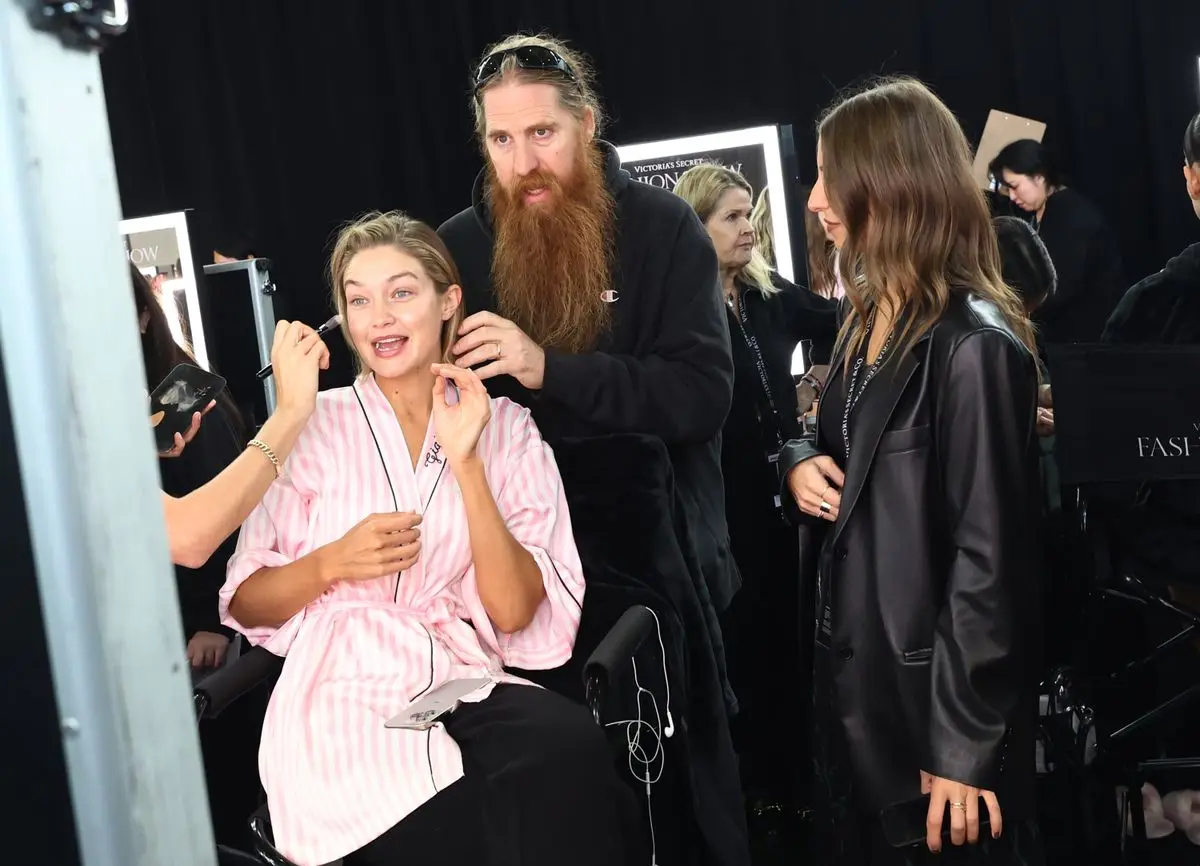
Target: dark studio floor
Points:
(780, 846)
(1069, 819)
(776, 843)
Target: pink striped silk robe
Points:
(335, 777)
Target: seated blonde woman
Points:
(419, 534)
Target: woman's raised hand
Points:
(459, 422)
(297, 357)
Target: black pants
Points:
(769, 663)
(540, 788)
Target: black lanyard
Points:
(752, 341)
(854, 390)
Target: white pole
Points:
(75, 383)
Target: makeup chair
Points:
(605, 670)
(1120, 428)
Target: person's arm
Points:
(507, 577)
(983, 644)
(682, 390)
(525, 588)
(198, 522)
(810, 317)
(276, 539)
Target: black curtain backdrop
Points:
(291, 116)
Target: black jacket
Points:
(1087, 260)
(664, 369)
(931, 571)
(1162, 308)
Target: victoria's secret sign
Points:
(665, 173)
(754, 153)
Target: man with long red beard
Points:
(595, 301)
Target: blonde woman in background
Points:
(768, 317)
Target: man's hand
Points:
(502, 348)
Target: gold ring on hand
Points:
(962, 806)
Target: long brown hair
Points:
(408, 235)
(897, 171)
(819, 253)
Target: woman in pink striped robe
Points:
(416, 538)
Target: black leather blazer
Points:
(932, 569)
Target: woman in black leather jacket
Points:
(924, 471)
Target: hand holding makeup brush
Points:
(297, 357)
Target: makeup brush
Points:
(321, 331)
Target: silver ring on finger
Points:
(826, 508)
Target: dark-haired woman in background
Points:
(1025, 263)
(217, 443)
(1027, 268)
(768, 317)
(1081, 245)
(230, 743)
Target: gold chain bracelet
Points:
(266, 449)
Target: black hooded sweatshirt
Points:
(663, 369)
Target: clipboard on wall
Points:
(1001, 130)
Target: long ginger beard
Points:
(552, 266)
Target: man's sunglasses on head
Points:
(533, 57)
